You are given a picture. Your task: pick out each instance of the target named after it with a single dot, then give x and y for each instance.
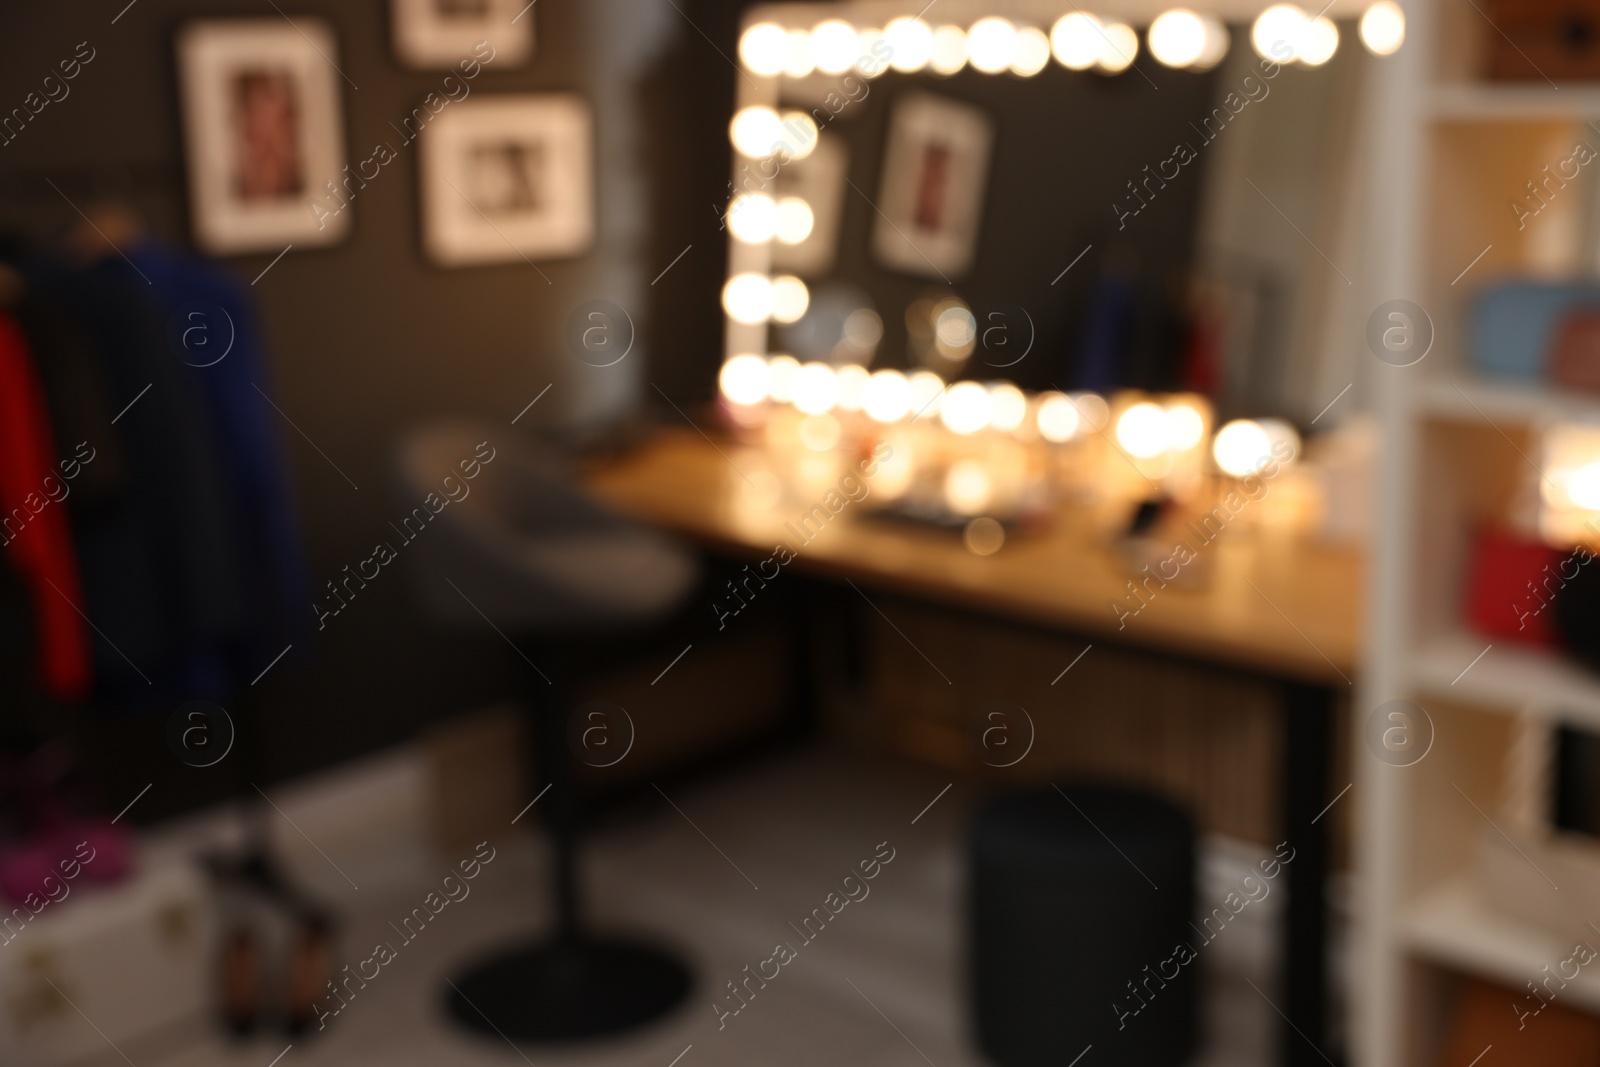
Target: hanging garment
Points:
(33, 526)
(162, 568)
(224, 355)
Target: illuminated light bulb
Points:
(800, 62)
(965, 408)
(1033, 52)
(834, 46)
(1583, 487)
(887, 397)
(984, 536)
(1282, 439)
(1008, 407)
(1383, 28)
(815, 388)
(764, 49)
(1278, 31)
(1075, 39)
(1092, 409)
(1058, 418)
(782, 370)
(991, 44)
(853, 380)
(797, 134)
(949, 52)
(1177, 38)
(1320, 42)
(1142, 431)
(745, 380)
(756, 132)
(1185, 427)
(1216, 49)
(790, 298)
(753, 218)
(1118, 48)
(911, 43)
(927, 393)
(1241, 447)
(748, 298)
(795, 220)
(871, 56)
(967, 488)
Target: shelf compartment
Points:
(1453, 925)
(1508, 678)
(1504, 402)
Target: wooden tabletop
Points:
(1273, 602)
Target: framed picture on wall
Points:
(436, 34)
(507, 178)
(264, 133)
(931, 197)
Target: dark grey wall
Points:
(367, 338)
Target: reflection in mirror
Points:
(1024, 234)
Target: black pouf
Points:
(1078, 899)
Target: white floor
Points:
(880, 986)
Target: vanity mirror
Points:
(1138, 197)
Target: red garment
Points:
(33, 528)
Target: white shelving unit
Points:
(1447, 153)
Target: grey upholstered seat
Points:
(523, 544)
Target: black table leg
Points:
(1308, 756)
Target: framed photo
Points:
(264, 133)
(931, 196)
(819, 180)
(436, 34)
(507, 178)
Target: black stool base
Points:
(569, 990)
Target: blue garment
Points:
(235, 388)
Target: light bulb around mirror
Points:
(949, 52)
(1142, 431)
(834, 46)
(964, 408)
(991, 44)
(853, 380)
(1076, 40)
(753, 218)
(764, 49)
(1177, 38)
(795, 220)
(1058, 418)
(1008, 407)
(910, 43)
(756, 132)
(1383, 28)
(1241, 447)
(782, 370)
(790, 298)
(1118, 48)
(745, 379)
(887, 396)
(748, 298)
(927, 393)
(815, 389)
(1278, 31)
(1033, 52)
(1320, 42)
(800, 63)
